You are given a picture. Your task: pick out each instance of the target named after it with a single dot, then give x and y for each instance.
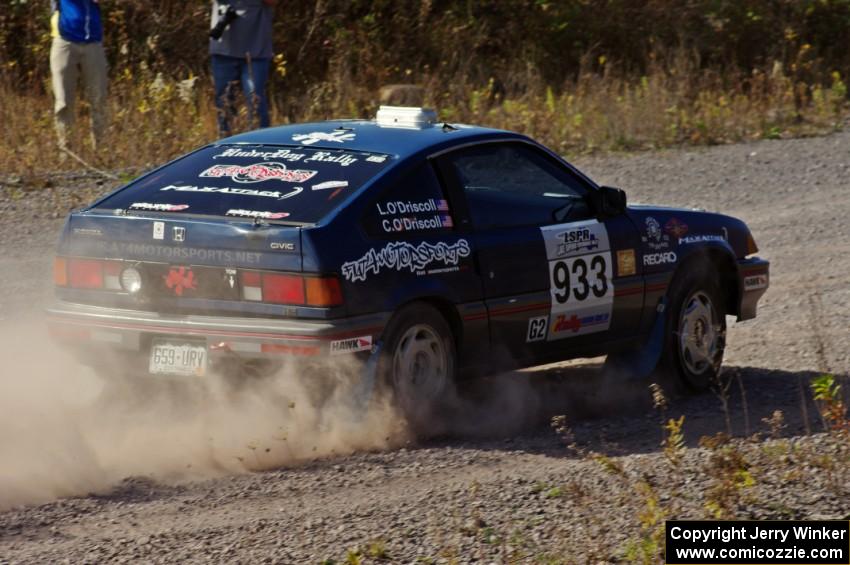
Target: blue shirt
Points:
(79, 20)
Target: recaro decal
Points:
(581, 285)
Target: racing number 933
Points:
(570, 276)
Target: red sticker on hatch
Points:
(180, 278)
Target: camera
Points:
(226, 16)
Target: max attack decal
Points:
(580, 278)
(401, 256)
(317, 136)
(351, 345)
(228, 190)
(258, 172)
(158, 207)
(257, 214)
(655, 239)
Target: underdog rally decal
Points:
(258, 172)
(581, 285)
(401, 256)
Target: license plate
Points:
(176, 358)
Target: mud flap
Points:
(641, 363)
(363, 393)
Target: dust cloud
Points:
(63, 432)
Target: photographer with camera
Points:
(241, 51)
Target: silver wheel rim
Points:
(700, 334)
(420, 367)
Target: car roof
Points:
(371, 137)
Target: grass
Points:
(153, 118)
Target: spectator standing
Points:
(77, 49)
(242, 53)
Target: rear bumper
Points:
(132, 331)
(753, 280)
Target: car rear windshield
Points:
(286, 184)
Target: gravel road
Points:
(503, 486)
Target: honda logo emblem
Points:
(179, 234)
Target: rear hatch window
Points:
(281, 184)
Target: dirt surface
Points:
(503, 486)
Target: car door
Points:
(556, 278)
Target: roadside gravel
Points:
(505, 487)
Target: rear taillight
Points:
(60, 271)
(87, 273)
(291, 289)
(323, 291)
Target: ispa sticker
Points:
(581, 283)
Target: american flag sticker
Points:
(442, 206)
(446, 220)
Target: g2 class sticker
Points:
(581, 283)
(159, 230)
(537, 328)
(259, 172)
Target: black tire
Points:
(420, 382)
(695, 326)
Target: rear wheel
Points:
(695, 337)
(418, 364)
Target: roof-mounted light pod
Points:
(405, 116)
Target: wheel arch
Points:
(445, 308)
(723, 262)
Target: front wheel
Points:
(695, 337)
(418, 365)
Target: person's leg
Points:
(254, 87)
(94, 74)
(225, 71)
(63, 71)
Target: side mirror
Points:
(612, 201)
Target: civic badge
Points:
(179, 234)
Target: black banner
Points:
(697, 542)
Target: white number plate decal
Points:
(169, 358)
(580, 278)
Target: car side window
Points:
(414, 205)
(512, 184)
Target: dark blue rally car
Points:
(425, 247)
